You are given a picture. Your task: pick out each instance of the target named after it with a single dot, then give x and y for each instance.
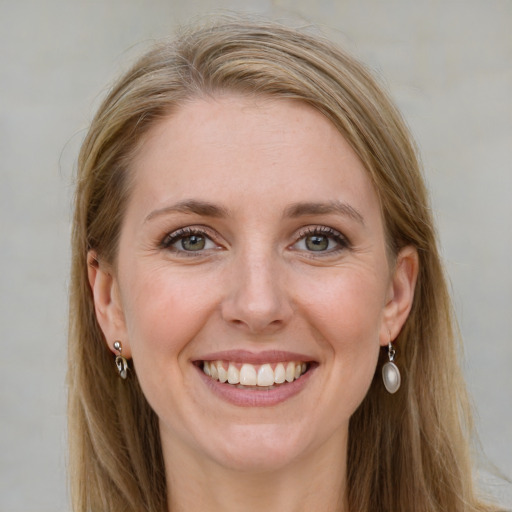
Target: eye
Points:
(321, 239)
(188, 240)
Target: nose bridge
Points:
(255, 297)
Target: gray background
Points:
(446, 63)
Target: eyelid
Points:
(174, 236)
(342, 241)
(320, 228)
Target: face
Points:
(252, 250)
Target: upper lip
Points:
(246, 356)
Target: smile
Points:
(248, 375)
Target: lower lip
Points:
(253, 397)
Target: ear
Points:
(400, 294)
(107, 303)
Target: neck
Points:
(316, 482)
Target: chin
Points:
(257, 449)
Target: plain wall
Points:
(448, 64)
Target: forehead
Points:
(237, 148)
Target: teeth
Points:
(280, 374)
(290, 372)
(223, 374)
(249, 375)
(265, 375)
(233, 374)
(213, 371)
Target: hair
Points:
(408, 451)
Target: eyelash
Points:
(183, 233)
(341, 241)
(322, 231)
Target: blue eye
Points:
(188, 240)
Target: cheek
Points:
(164, 311)
(347, 308)
(346, 312)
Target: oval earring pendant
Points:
(391, 377)
(122, 366)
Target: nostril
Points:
(257, 325)
(256, 303)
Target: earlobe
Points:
(401, 293)
(107, 303)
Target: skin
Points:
(258, 286)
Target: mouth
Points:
(249, 376)
(256, 379)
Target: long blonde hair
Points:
(407, 452)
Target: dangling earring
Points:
(390, 372)
(121, 362)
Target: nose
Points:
(257, 299)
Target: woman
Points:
(259, 317)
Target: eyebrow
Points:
(207, 209)
(192, 206)
(336, 207)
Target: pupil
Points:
(193, 243)
(317, 242)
